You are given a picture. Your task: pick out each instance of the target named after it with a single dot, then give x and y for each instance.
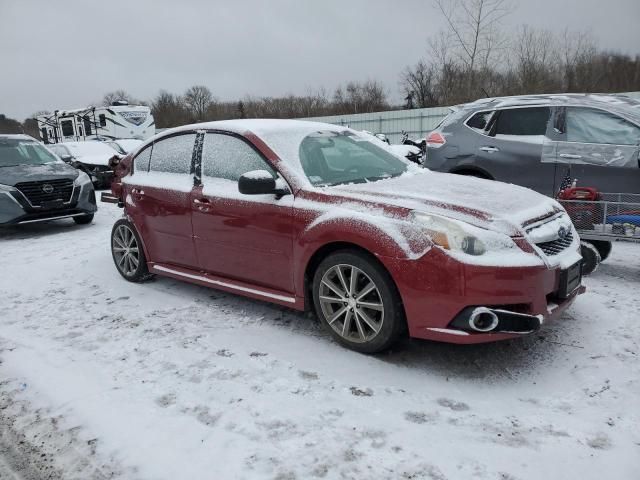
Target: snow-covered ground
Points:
(101, 378)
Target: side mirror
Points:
(114, 162)
(257, 182)
(66, 158)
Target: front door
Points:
(243, 237)
(598, 149)
(158, 199)
(512, 151)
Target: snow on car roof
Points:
(89, 148)
(590, 99)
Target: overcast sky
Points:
(67, 54)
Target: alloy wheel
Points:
(351, 303)
(125, 250)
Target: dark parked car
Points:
(91, 157)
(536, 141)
(311, 215)
(37, 186)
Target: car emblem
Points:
(47, 188)
(562, 233)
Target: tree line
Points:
(473, 56)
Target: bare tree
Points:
(169, 110)
(420, 84)
(473, 29)
(198, 100)
(535, 60)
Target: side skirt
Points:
(231, 286)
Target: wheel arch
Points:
(472, 171)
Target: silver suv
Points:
(36, 186)
(538, 141)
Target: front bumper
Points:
(15, 209)
(437, 289)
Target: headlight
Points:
(451, 234)
(6, 188)
(81, 179)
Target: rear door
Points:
(512, 150)
(243, 237)
(598, 148)
(158, 199)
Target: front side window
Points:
(67, 128)
(523, 121)
(87, 126)
(142, 160)
(20, 152)
(229, 157)
(102, 119)
(333, 158)
(173, 154)
(590, 125)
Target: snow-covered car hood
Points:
(99, 159)
(487, 204)
(33, 173)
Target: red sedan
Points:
(311, 215)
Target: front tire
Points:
(357, 302)
(590, 257)
(127, 252)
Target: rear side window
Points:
(102, 119)
(142, 160)
(480, 121)
(523, 121)
(590, 125)
(173, 154)
(228, 157)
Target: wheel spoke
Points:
(324, 298)
(333, 287)
(363, 337)
(353, 281)
(346, 326)
(118, 240)
(119, 249)
(337, 315)
(134, 261)
(372, 306)
(343, 282)
(122, 259)
(368, 320)
(365, 291)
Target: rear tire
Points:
(590, 257)
(357, 302)
(84, 219)
(127, 252)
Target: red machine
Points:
(583, 214)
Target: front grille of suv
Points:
(554, 247)
(47, 191)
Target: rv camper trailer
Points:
(119, 120)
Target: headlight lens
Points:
(450, 234)
(81, 179)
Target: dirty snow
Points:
(100, 378)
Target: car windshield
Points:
(334, 158)
(23, 152)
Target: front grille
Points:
(554, 247)
(47, 191)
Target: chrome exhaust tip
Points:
(483, 320)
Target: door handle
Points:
(489, 149)
(202, 204)
(572, 156)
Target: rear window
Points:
(523, 121)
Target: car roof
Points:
(255, 126)
(609, 101)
